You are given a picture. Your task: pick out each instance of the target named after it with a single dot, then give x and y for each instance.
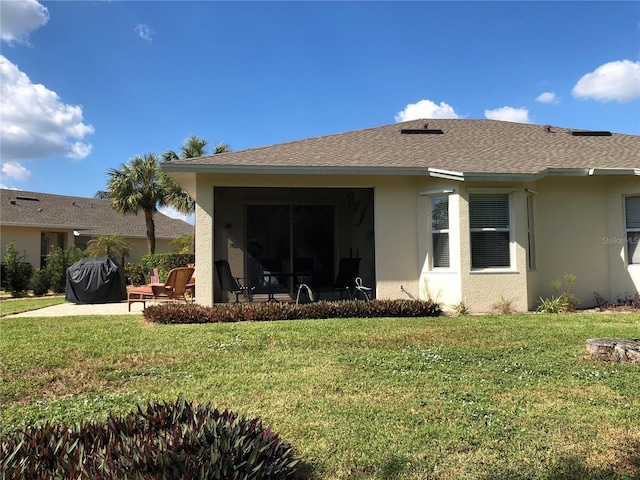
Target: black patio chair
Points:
(348, 270)
(229, 283)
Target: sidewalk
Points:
(69, 309)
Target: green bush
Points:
(174, 313)
(17, 272)
(58, 260)
(134, 274)
(178, 440)
(40, 282)
(165, 262)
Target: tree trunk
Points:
(614, 349)
(151, 232)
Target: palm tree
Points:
(108, 246)
(141, 185)
(194, 147)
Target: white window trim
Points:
(627, 232)
(431, 194)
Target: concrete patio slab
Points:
(68, 309)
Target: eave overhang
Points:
(185, 171)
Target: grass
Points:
(9, 306)
(474, 397)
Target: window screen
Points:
(440, 231)
(490, 230)
(632, 222)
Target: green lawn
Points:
(476, 397)
(9, 306)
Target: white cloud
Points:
(547, 97)
(425, 109)
(173, 213)
(508, 114)
(619, 81)
(21, 17)
(144, 32)
(16, 171)
(35, 122)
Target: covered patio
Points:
(278, 238)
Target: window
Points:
(490, 226)
(632, 223)
(440, 231)
(531, 244)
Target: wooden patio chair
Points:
(172, 289)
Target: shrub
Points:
(58, 260)
(164, 262)
(134, 274)
(173, 313)
(169, 441)
(460, 309)
(40, 282)
(18, 272)
(565, 302)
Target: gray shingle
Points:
(468, 146)
(87, 215)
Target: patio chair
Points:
(348, 269)
(229, 283)
(172, 289)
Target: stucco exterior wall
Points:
(397, 263)
(485, 289)
(204, 243)
(27, 242)
(580, 231)
(439, 284)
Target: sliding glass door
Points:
(289, 245)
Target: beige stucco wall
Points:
(395, 209)
(28, 243)
(485, 289)
(580, 231)
(28, 240)
(573, 218)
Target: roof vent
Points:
(32, 199)
(424, 130)
(411, 131)
(592, 133)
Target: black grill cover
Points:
(96, 280)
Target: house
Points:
(40, 221)
(458, 210)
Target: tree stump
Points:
(615, 349)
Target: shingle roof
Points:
(466, 146)
(87, 215)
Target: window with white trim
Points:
(490, 225)
(632, 225)
(440, 232)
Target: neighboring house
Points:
(40, 221)
(474, 211)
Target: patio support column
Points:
(205, 273)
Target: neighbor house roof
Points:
(89, 216)
(461, 148)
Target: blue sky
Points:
(87, 85)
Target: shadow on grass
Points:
(574, 467)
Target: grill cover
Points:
(96, 280)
